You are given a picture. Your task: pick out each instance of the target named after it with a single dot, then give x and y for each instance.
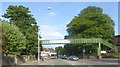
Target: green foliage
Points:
(22, 18)
(14, 40)
(60, 50)
(91, 9)
(91, 23)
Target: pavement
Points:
(34, 62)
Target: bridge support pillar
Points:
(99, 51)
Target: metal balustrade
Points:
(109, 44)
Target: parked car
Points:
(53, 56)
(73, 58)
(63, 57)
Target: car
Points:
(53, 56)
(63, 57)
(73, 58)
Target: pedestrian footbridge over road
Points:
(98, 41)
(78, 41)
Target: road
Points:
(79, 62)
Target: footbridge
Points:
(98, 41)
(79, 41)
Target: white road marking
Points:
(83, 63)
(72, 64)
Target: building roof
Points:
(117, 36)
(48, 49)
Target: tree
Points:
(59, 50)
(91, 23)
(22, 18)
(13, 41)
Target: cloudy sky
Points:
(52, 17)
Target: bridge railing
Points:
(109, 44)
(72, 41)
(86, 40)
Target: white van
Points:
(53, 55)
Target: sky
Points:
(59, 0)
(53, 22)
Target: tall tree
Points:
(22, 18)
(91, 23)
(13, 41)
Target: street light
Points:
(39, 36)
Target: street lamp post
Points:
(39, 43)
(38, 47)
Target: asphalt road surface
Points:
(82, 62)
(79, 62)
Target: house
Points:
(117, 40)
(46, 52)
